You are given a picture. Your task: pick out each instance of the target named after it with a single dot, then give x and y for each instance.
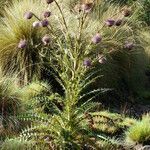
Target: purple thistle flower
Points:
(86, 7)
(118, 22)
(129, 45)
(22, 44)
(47, 14)
(46, 39)
(110, 22)
(44, 23)
(36, 24)
(87, 62)
(49, 1)
(96, 38)
(28, 15)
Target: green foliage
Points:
(13, 102)
(16, 144)
(146, 17)
(139, 132)
(111, 123)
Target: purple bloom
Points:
(44, 23)
(87, 62)
(129, 45)
(46, 39)
(86, 7)
(28, 15)
(118, 22)
(22, 44)
(110, 22)
(96, 38)
(36, 24)
(47, 14)
(49, 1)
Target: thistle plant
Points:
(74, 41)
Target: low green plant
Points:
(139, 132)
(111, 123)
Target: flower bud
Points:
(47, 14)
(36, 24)
(118, 22)
(49, 1)
(126, 12)
(46, 39)
(101, 59)
(110, 22)
(86, 7)
(77, 8)
(129, 45)
(96, 39)
(28, 15)
(44, 23)
(87, 62)
(22, 44)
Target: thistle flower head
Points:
(87, 62)
(110, 22)
(101, 59)
(86, 7)
(126, 12)
(118, 22)
(96, 38)
(46, 39)
(77, 8)
(49, 1)
(22, 44)
(28, 15)
(47, 14)
(129, 45)
(36, 24)
(44, 23)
